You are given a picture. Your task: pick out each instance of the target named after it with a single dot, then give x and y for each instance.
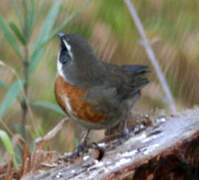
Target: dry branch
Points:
(151, 55)
(167, 150)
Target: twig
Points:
(151, 55)
(25, 101)
(13, 71)
(51, 133)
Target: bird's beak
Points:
(61, 38)
(60, 35)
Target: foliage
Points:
(19, 35)
(8, 146)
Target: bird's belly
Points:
(71, 100)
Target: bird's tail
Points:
(136, 69)
(138, 76)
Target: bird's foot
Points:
(126, 133)
(97, 151)
(79, 151)
(93, 150)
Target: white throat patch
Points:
(68, 47)
(59, 66)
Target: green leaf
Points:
(35, 59)
(17, 10)
(29, 13)
(11, 95)
(11, 39)
(49, 106)
(17, 33)
(8, 145)
(31, 16)
(38, 12)
(4, 85)
(59, 28)
(44, 35)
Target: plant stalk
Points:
(25, 100)
(152, 57)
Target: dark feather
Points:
(136, 69)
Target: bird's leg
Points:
(119, 130)
(82, 147)
(125, 128)
(84, 137)
(83, 143)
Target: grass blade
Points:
(44, 34)
(17, 33)
(17, 10)
(11, 95)
(35, 59)
(8, 146)
(38, 12)
(49, 106)
(58, 29)
(11, 39)
(31, 16)
(4, 85)
(29, 9)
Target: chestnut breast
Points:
(71, 100)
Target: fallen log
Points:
(169, 149)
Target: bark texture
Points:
(167, 150)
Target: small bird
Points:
(94, 93)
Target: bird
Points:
(94, 93)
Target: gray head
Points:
(75, 53)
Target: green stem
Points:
(24, 104)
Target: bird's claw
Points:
(79, 150)
(126, 133)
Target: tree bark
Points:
(167, 150)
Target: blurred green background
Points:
(172, 27)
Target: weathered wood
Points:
(167, 150)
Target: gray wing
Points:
(119, 84)
(103, 99)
